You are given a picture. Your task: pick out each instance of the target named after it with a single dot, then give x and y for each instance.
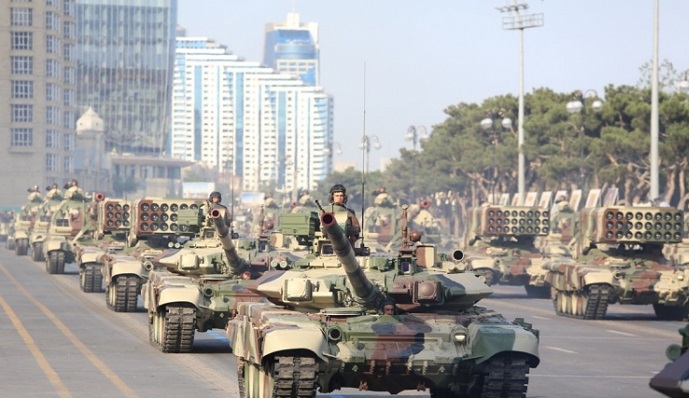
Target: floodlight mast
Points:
(520, 22)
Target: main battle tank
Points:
(618, 258)
(39, 232)
(673, 380)
(499, 244)
(201, 284)
(6, 220)
(65, 224)
(20, 231)
(341, 318)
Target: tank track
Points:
(123, 297)
(178, 329)
(295, 376)
(598, 298)
(504, 377)
(55, 263)
(22, 247)
(37, 252)
(91, 279)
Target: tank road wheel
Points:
(156, 328)
(37, 252)
(670, 313)
(537, 291)
(122, 293)
(502, 376)
(251, 383)
(579, 303)
(22, 247)
(91, 279)
(176, 328)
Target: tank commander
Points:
(338, 202)
(562, 204)
(388, 307)
(270, 202)
(215, 200)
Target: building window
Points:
(68, 164)
(68, 54)
(52, 44)
(68, 120)
(52, 21)
(22, 17)
(52, 3)
(22, 137)
(69, 75)
(22, 89)
(50, 162)
(52, 115)
(69, 8)
(22, 40)
(52, 139)
(69, 141)
(22, 113)
(69, 98)
(68, 30)
(52, 68)
(22, 65)
(52, 92)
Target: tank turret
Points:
(673, 380)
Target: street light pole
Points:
(488, 125)
(520, 22)
(577, 105)
(654, 108)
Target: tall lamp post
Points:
(414, 134)
(366, 141)
(520, 22)
(487, 125)
(577, 105)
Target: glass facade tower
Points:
(125, 55)
(291, 47)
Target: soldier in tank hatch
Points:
(338, 202)
(215, 200)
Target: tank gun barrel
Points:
(237, 264)
(364, 291)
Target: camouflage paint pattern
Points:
(324, 326)
(673, 380)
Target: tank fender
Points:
(488, 340)
(55, 243)
(178, 294)
(127, 268)
(90, 257)
(21, 235)
(598, 278)
(38, 237)
(287, 337)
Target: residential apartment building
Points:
(37, 95)
(246, 120)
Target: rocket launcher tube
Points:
(365, 293)
(237, 264)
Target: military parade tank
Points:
(673, 380)
(500, 245)
(66, 223)
(20, 231)
(6, 219)
(381, 224)
(199, 285)
(618, 259)
(342, 318)
(50, 205)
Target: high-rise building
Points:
(125, 54)
(37, 95)
(291, 47)
(246, 120)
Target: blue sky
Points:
(423, 55)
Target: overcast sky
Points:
(423, 55)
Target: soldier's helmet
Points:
(213, 195)
(305, 200)
(338, 188)
(34, 189)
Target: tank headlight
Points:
(460, 337)
(680, 277)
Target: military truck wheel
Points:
(37, 252)
(172, 329)
(670, 313)
(537, 291)
(502, 376)
(91, 278)
(122, 293)
(22, 247)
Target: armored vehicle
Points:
(500, 245)
(618, 258)
(41, 225)
(20, 230)
(201, 283)
(6, 219)
(673, 380)
(66, 222)
(343, 318)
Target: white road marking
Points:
(561, 349)
(540, 317)
(622, 333)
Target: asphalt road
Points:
(60, 342)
